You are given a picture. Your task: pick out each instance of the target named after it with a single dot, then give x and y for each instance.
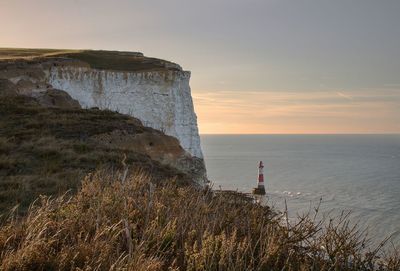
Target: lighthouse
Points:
(260, 189)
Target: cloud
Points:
(341, 94)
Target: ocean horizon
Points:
(356, 173)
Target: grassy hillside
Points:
(14, 53)
(117, 223)
(48, 150)
(105, 60)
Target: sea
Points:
(356, 174)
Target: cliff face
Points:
(155, 91)
(160, 99)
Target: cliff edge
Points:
(153, 90)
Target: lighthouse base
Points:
(259, 191)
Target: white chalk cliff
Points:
(160, 99)
(155, 91)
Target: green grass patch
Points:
(97, 59)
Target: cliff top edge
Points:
(96, 59)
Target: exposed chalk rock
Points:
(160, 99)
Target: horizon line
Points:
(299, 133)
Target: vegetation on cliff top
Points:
(97, 59)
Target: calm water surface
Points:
(357, 173)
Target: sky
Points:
(258, 66)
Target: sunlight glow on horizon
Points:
(272, 112)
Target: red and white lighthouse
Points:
(261, 175)
(260, 189)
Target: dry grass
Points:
(118, 223)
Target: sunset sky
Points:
(258, 66)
